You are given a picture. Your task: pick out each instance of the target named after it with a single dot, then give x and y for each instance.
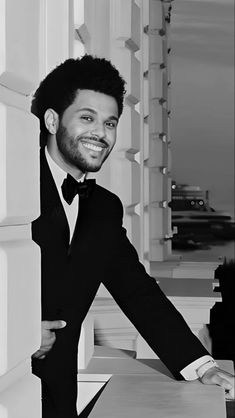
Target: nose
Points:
(98, 130)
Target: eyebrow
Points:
(88, 109)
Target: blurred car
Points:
(192, 215)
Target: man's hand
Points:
(216, 376)
(48, 337)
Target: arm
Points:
(154, 316)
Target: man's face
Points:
(87, 130)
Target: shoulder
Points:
(108, 198)
(105, 192)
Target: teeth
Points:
(92, 147)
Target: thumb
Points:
(58, 324)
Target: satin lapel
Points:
(51, 205)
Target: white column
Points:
(157, 170)
(19, 205)
(56, 33)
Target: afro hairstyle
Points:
(59, 88)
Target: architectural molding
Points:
(113, 328)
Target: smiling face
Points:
(86, 133)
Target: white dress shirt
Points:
(71, 211)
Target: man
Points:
(83, 242)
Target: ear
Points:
(51, 119)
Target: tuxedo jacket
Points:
(100, 252)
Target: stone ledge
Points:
(184, 269)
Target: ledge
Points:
(184, 269)
(188, 287)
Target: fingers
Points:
(58, 324)
(216, 376)
(46, 346)
(41, 353)
(48, 337)
(228, 387)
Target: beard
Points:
(69, 149)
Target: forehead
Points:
(99, 102)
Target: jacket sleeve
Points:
(147, 307)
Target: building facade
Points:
(37, 36)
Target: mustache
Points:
(95, 139)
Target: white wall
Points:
(19, 205)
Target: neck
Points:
(57, 157)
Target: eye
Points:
(111, 125)
(87, 118)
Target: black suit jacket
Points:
(100, 252)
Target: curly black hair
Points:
(58, 90)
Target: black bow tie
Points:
(71, 187)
